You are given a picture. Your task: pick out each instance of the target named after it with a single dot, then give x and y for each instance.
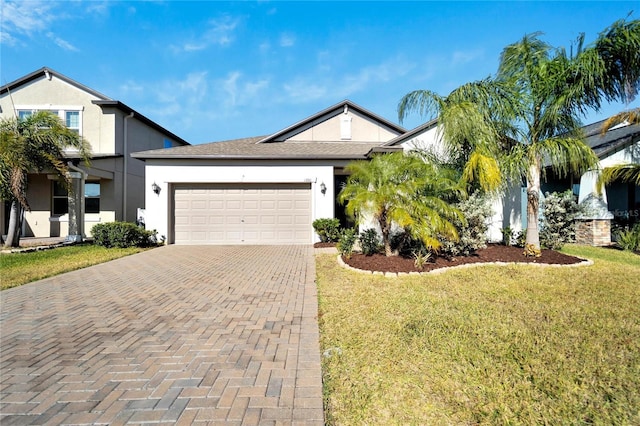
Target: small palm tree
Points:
(401, 190)
(33, 144)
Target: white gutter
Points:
(125, 167)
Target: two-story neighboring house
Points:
(114, 183)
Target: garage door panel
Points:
(242, 214)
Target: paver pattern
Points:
(175, 335)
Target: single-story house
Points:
(269, 189)
(114, 183)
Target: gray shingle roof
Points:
(612, 141)
(250, 149)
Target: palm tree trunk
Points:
(533, 204)
(15, 222)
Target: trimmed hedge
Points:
(122, 234)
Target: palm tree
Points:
(32, 144)
(536, 99)
(402, 190)
(628, 172)
(467, 127)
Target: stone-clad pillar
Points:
(76, 207)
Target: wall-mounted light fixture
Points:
(323, 188)
(156, 188)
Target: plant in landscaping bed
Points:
(559, 212)
(405, 190)
(369, 242)
(629, 238)
(327, 229)
(122, 234)
(347, 240)
(472, 233)
(508, 236)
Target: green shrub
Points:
(629, 238)
(508, 236)
(473, 234)
(557, 222)
(327, 229)
(346, 242)
(122, 234)
(370, 242)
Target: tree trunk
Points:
(533, 204)
(15, 223)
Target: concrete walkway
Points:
(175, 335)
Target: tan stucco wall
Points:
(58, 94)
(363, 129)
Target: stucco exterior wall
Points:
(42, 94)
(362, 129)
(159, 208)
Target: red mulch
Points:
(493, 253)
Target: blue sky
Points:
(213, 70)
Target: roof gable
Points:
(48, 73)
(344, 121)
(614, 140)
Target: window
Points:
(72, 120)
(70, 115)
(91, 198)
(24, 114)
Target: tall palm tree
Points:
(468, 128)
(402, 190)
(34, 144)
(541, 94)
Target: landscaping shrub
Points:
(122, 234)
(557, 227)
(346, 242)
(327, 229)
(473, 234)
(629, 238)
(370, 242)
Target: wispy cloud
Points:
(287, 40)
(28, 19)
(329, 86)
(461, 57)
(62, 43)
(219, 31)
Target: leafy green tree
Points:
(32, 144)
(403, 190)
(531, 109)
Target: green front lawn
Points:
(21, 268)
(486, 345)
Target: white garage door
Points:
(242, 214)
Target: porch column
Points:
(76, 207)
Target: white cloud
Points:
(219, 31)
(33, 18)
(460, 57)
(62, 43)
(322, 85)
(287, 40)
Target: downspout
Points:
(125, 167)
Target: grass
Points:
(487, 345)
(21, 268)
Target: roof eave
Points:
(128, 110)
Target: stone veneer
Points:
(593, 232)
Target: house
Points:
(269, 189)
(114, 183)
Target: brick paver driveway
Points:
(178, 334)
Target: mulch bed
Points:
(493, 253)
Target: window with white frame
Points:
(71, 116)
